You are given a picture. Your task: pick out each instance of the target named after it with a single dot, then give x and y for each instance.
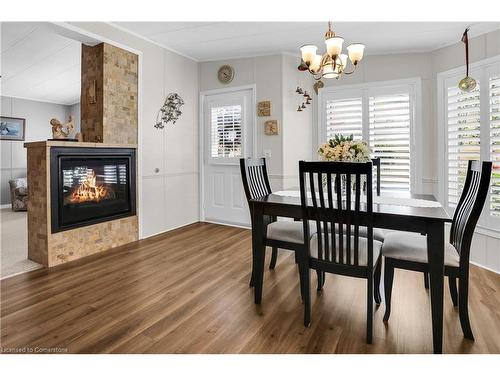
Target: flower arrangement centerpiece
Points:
(340, 148)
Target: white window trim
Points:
(487, 223)
(416, 149)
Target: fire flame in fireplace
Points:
(89, 191)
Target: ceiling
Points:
(204, 41)
(38, 64)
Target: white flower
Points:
(345, 151)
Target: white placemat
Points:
(396, 201)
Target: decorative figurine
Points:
(61, 131)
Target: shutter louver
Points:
(463, 122)
(226, 132)
(344, 117)
(495, 145)
(390, 120)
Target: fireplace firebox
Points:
(91, 185)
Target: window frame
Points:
(412, 86)
(228, 97)
(481, 71)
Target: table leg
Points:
(258, 251)
(435, 255)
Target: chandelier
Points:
(333, 63)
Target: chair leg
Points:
(274, 258)
(388, 278)
(251, 284)
(305, 288)
(463, 307)
(426, 280)
(378, 271)
(452, 281)
(321, 279)
(369, 310)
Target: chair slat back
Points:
(254, 176)
(337, 213)
(469, 207)
(376, 165)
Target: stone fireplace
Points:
(91, 185)
(82, 195)
(81, 199)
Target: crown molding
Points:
(121, 28)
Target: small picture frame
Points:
(271, 127)
(12, 128)
(264, 108)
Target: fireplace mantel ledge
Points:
(77, 144)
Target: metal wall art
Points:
(305, 97)
(170, 111)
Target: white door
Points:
(228, 122)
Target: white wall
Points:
(265, 73)
(169, 198)
(74, 112)
(486, 246)
(297, 126)
(276, 78)
(395, 67)
(485, 250)
(38, 128)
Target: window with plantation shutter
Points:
(389, 139)
(494, 117)
(226, 132)
(382, 114)
(463, 143)
(344, 116)
(472, 132)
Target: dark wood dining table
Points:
(425, 220)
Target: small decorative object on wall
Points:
(271, 127)
(170, 111)
(12, 129)
(318, 85)
(62, 131)
(91, 92)
(467, 84)
(304, 97)
(264, 108)
(225, 74)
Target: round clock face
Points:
(225, 74)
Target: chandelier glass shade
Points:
(333, 63)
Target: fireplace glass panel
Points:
(92, 189)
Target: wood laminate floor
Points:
(187, 291)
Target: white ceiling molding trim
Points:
(137, 35)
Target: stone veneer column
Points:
(113, 118)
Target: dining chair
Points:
(337, 246)
(287, 235)
(409, 250)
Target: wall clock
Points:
(225, 74)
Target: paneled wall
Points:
(276, 79)
(38, 116)
(168, 159)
